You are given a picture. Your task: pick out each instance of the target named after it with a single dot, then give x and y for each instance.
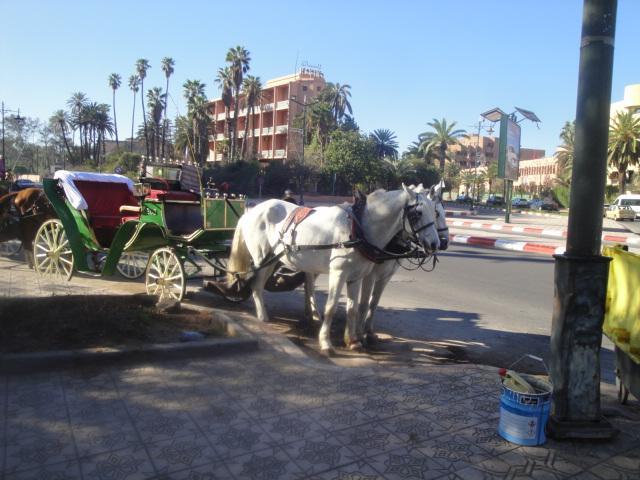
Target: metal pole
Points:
(581, 273)
(304, 130)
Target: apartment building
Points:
(270, 131)
(537, 172)
(485, 150)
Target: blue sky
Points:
(406, 61)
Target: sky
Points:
(407, 62)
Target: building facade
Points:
(270, 133)
(537, 173)
(485, 150)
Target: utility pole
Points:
(581, 273)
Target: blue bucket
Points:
(523, 416)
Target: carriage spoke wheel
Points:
(10, 248)
(165, 275)
(133, 264)
(52, 253)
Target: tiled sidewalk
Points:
(268, 416)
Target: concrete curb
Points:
(242, 341)
(455, 213)
(548, 232)
(512, 245)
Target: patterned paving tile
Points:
(239, 439)
(353, 471)
(319, 454)
(219, 415)
(127, 464)
(414, 428)
(531, 462)
(619, 467)
(454, 452)
(101, 438)
(485, 435)
(259, 406)
(271, 464)
(297, 426)
(455, 417)
(212, 471)
(97, 412)
(404, 463)
(339, 416)
(158, 427)
(38, 451)
(175, 455)
(62, 471)
(369, 440)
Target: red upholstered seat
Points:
(169, 195)
(104, 200)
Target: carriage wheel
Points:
(52, 253)
(10, 248)
(165, 275)
(623, 391)
(133, 264)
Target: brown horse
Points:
(32, 208)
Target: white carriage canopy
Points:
(72, 193)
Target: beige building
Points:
(485, 150)
(536, 173)
(630, 101)
(271, 133)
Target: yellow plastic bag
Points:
(622, 308)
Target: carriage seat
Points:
(107, 202)
(173, 195)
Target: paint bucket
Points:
(523, 416)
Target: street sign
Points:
(509, 157)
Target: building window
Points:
(304, 88)
(318, 88)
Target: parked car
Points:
(620, 212)
(520, 202)
(548, 205)
(495, 201)
(464, 199)
(629, 200)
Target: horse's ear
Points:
(359, 196)
(433, 191)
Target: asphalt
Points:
(277, 414)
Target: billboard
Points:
(509, 158)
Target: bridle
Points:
(412, 216)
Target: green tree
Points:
(338, 97)
(452, 176)
(167, 67)
(60, 122)
(142, 65)
(385, 142)
(352, 158)
(77, 104)
(396, 170)
(115, 81)
(442, 136)
(252, 87)
(491, 175)
(134, 85)
(156, 104)
(194, 93)
(224, 79)
(321, 123)
(624, 148)
(564, 153)
(238, 60)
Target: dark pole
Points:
(581, 273)
(3, 157)
(304, 132)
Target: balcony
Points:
(282, 128)
(280, 154)
(219, 157)
(256, 132)
(220, 136)
(266, 154)
(241, 134)
(282, 105)
(212, 138)
(267, 107)
(267, 131)
(220, 116)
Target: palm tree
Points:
(492, 174)
(624, 144)
(339, 100)
(238, 59)
(133, 85)
(225, 82)
(442, 136)
(397, 170)
(564, 153)
(253, 94)
(467, 178)
(194, 93)
(167, 68)
(102, 126)
(77, 103)
(156, 103)
(115, 81)
(60, 122)
(142, 65)
(322, 123)
(385, 143)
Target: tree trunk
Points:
(144, 117)
(115, 120)
(621, 180)
(246, 132)
(164, 115)
(133, 121)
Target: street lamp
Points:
(16, 117)
(304, 106)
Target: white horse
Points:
(317, 245)
(374, 284)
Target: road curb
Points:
(241, 342)
(502, 244)
(493, 227)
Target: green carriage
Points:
(157, 228)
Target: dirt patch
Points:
(72, 322)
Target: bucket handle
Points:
(532, 357)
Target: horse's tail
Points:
(240, 258)
(5, 201)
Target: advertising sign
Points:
(509, 158)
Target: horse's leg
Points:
(310, 307)
(336, 281)
(257, 287)
(351, 339)
(378, 288)
(363, 311)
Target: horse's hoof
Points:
(355, 346)
(328, 352)
(372, 338)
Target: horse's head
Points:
(435, 195)
(420, 219)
